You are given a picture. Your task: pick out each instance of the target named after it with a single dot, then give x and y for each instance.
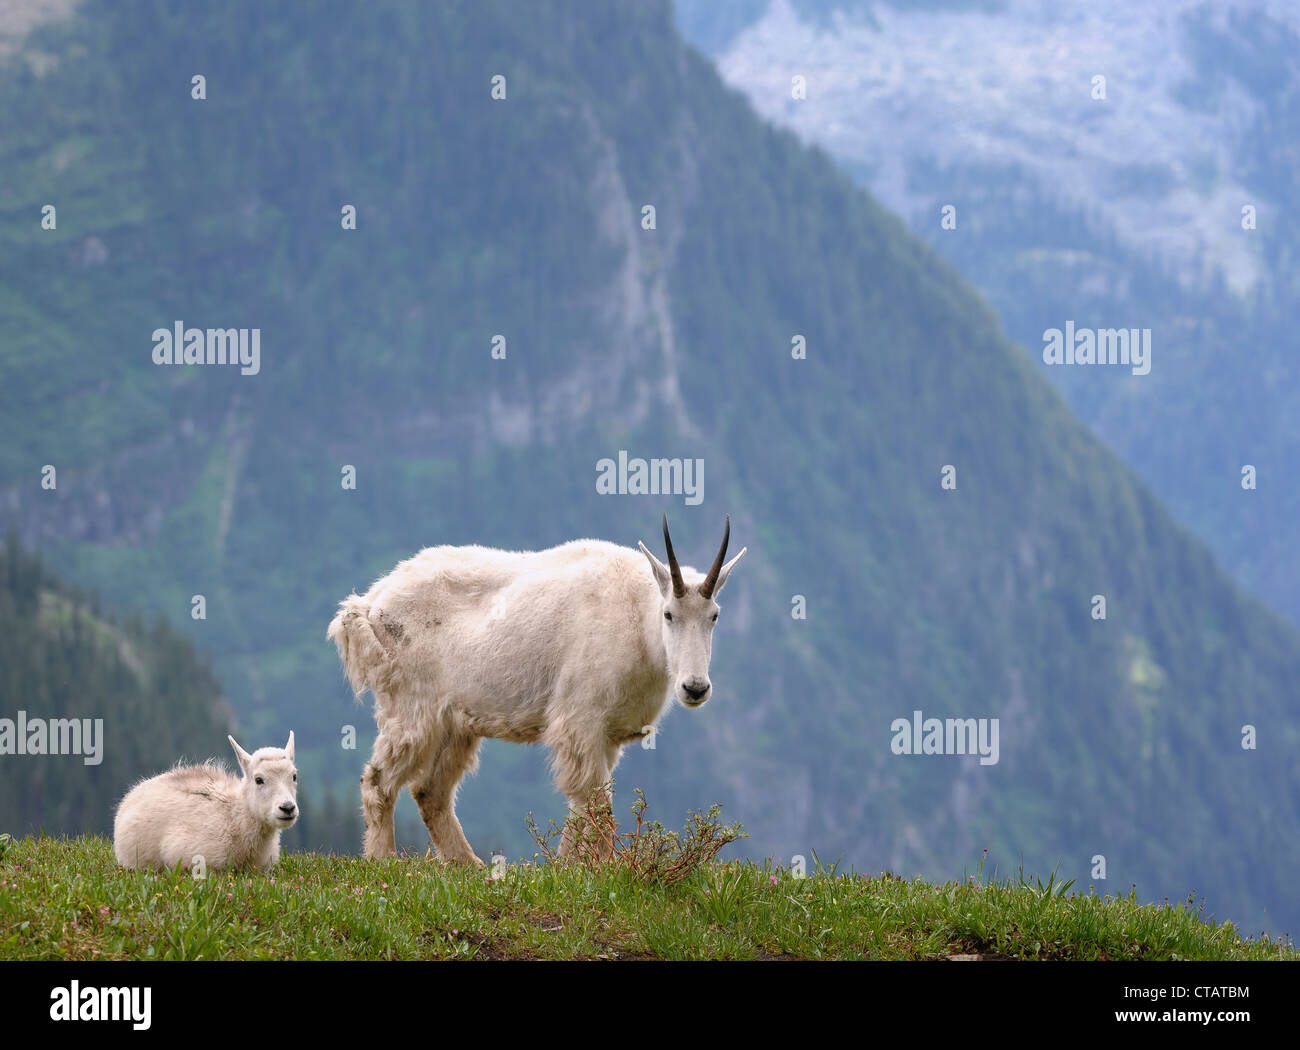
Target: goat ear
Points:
(243, 756)
(726, 570)
(288, 748)
(662, 576)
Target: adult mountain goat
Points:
(578, 647)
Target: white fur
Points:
(204, 811)
(568, 647)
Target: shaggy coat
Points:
(193, 812)
(579, 647)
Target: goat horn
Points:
(711, 580)
(679, 588)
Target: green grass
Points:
(68, 899)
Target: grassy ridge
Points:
(67, 899)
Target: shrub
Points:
(649, 852)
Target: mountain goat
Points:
(203, 811)
(578, 647)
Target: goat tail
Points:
(366, 662)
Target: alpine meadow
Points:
(325, 285)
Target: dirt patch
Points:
(977, 957)
(392, 628)
(547, 922)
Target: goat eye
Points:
(295, 778)
(714, 617)
(668, 616)
(257, 780)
